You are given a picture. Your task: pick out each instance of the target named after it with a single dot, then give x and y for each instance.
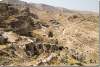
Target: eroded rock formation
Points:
(37, 34)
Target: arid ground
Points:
(43, 35)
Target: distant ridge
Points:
(13, 2)
(46, 7)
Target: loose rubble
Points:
(30, 38)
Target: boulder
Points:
(10, 36)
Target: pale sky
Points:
(83, 5)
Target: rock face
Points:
(38, 34)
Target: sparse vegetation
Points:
(30, 36)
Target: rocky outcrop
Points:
(35, 35)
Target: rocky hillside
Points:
(38, 34)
